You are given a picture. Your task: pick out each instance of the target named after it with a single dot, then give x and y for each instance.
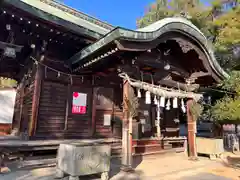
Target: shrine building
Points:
(78, 76)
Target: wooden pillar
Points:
(21, 106)
(18, 116)
(158, 120)
(35, 102)
(93, 123)
(126, 135)
(67, 107)
(191, 132)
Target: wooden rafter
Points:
(159, 78)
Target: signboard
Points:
(107, 119)
(79, 103)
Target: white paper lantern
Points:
(148, 97)
(175, 102)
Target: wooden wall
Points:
(104, 106)
(51, 112)
(54, 117)
(56, 120)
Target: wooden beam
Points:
(67, 106)
(160, 78)
(159, 61)
(179, 85)
(22, 86)
(129, 46)
(93, 124)
(199, 74)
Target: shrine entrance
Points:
(165, 63)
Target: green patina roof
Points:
(151, 33)
(62, 15)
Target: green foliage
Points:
(228, 108)
(220, 22)
(164, 8)
(233, 83)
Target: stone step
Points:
(146, 141)
(146, 148)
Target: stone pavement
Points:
(167, 167)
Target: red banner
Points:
(79, 109)
(79, 104)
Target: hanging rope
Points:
(159, 91)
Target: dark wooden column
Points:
(67, 106)
(21, 105)
(191, 132)
(36, 97)
(93, 123)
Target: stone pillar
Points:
(191, 132)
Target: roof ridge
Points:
(77, 13)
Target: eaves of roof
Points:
(62, 15)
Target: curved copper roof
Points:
(150, 33)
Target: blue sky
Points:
(116, 12)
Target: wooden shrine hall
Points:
(80, 78)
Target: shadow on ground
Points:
(232, 162)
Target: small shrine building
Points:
(76, 73)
